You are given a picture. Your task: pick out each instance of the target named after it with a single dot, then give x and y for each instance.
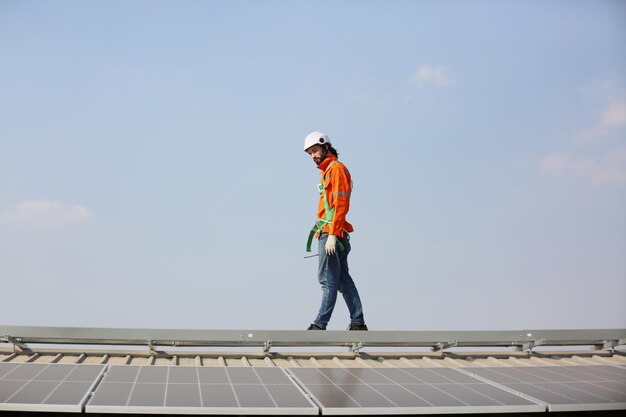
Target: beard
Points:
(320, 159)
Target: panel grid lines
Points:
(421, 381)
(469, 387)
(199, 387)
(265, 387)
(130, 395)
(549, 381)
(553, 370)
(276, 390)
(466, 385)
(520, 381)
(342, 390)
(411, 393)
(46, 387)
(500, 386)
(381, 394)
(406, 391)
(233, 389)
(434, 386)
(58, 385)
(7, 376)
(167, 383)
(557, 393)
(595, 395)
(21, 380)
(453, 382)
(28, 381)
(527, 372)
(564, 388)
(595, 383)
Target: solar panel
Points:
(406, 391)
(46, 387)
(564, 388)
(191, 390)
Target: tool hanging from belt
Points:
(328, 217)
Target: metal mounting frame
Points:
(20, 336)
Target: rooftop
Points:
(376, 352)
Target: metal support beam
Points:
(265, 339)
(10, 357)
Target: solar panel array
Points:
(208, 390)
(406, 391)
(46, 387)
(564, 388)
(309, 391)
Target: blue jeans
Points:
(333, 276)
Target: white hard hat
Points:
(316, 138)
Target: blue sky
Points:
(153, 174)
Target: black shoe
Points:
(314, 326)
(357, 327)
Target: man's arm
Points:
(339, 198)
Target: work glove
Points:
(331, 244)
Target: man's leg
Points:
(328, 275)
(348, 288)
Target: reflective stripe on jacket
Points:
(338, 187)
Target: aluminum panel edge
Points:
(333, 411)
(300, 388)
(587, 407)
(465, 371)
(92, 388)
(57, 408)
(268, 411)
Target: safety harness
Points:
(328, 217)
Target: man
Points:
(332, 230)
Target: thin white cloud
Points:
(431, 75)
(613, 115)
(608, 169)
(597, 164)
(45, 213)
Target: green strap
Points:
(309, 242)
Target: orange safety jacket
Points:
(338, 187)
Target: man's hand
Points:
(331, 244)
